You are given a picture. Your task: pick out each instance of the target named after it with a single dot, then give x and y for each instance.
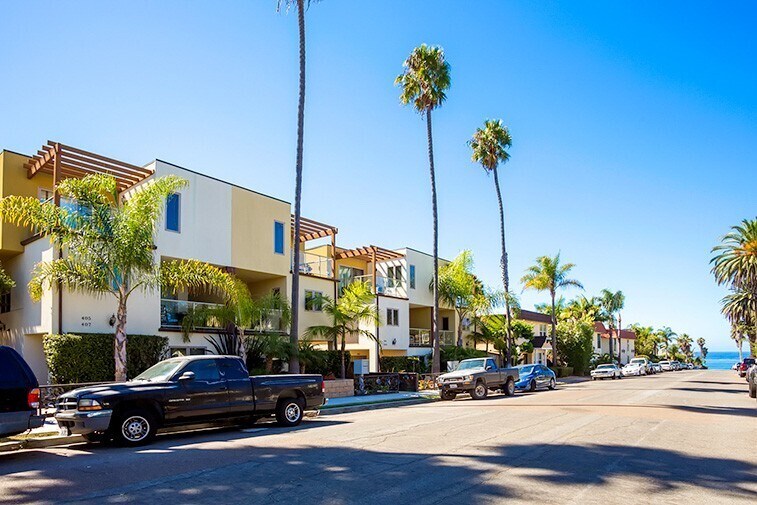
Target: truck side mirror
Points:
(488, 367)
(187, 376)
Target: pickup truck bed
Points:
(188, 390)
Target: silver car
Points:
(607, 371)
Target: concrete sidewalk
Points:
(369, 402)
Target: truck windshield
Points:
(470, 364)
(160, 371)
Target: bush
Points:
(330, 362)
(404, 364)
(574, 344)
(454, 353)
(88, 357)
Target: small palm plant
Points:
(355, 307)
(549, 275)
(6, 283)
(108, 245)
(424, 84)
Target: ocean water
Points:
(722, 360)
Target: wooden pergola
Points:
(62, 161)
(311, 230)
(370, 253)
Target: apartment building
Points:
(623, 345)
(542, 324)
(239, 230)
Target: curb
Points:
(40, 443)
(374, 406)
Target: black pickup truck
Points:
(186, 390)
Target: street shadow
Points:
(711, 409)
(740, 391)
(320, 473)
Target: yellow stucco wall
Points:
(252, 221)
(420, 317)
(13, 181)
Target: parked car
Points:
(644, 364)
(19, 394)
(606, 371)
(675, 365)
(656, 367)
(632, 369)
(690, 366)
(535, 376)
(751, 378)
(744, 366)
(666, 366)
(476, 377)
(185, 390)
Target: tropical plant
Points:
(300, 6)
(489, 147)
(684, 344)
(575, 343)
(549, 275)
(546, 308)
(739, 334)
(424, 82)
(646, 340)
(665, 337)
(108, 244)
(702, 349)
(582, 308)
(611, 304)
(355, 306)
(6, 283)
(458, 288)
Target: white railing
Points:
(421, 337)
(315, 264)
(172, 312)
(384, 285)
(270, 322)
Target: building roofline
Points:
(221, 180)
(14, 152)
(422, 252)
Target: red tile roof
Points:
(600, 328)
(528, 315)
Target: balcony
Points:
(421, 337)
(315, 264)
(172, 314)
(385, 285)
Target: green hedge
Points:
(404, 364)
(454, 353)
(330, 363)
(88, 357)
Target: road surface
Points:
(685, 437)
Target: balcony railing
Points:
(172, 312)
(384, 285)
(315, 264)
(421, 337)
(271, 322)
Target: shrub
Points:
(88, 357)
(454, 353)
(330, 362)
(404, 364)
(574, 344)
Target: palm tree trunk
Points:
(554, 329)
(119, 342)
(503, 267)
(436, 359)
(294, 362)
(344, 369)
(460, 331)
(612, 323)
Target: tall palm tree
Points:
(424, 82)
(702, 348)
(665, 336)
(549, 275)
(738, 334)
(583, 308)
(109, 248)
(299, 5)
(736, 260)
(356, 305)
(684, 343)
(489, 145)
(611, 304)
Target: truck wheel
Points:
(448, 395)
(752, 390)
(509, 387)
(479, 392)
(135, 427)
(552, 383)
(290, 411)
(532, 386)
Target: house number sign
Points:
(86, 321)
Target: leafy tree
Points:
(6, 283)
(582, 308)
(355, 306)
(575, 343)
(665, 336)
(546, 308)
(646, 340)
(611, 304)
(300, 6)
(458, 287)
(489, 145)
(424, 82)
(108, 244)
(523, 337)
(549, 275)
(684, 344)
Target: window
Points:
(278, 237)
(392, 317)
(313, 301)
(599, 341)
(5, 302)
(234, 369)
(395, 276)
(44, 194)
(173, 212)
(490, 362)
(412, 276)
(204, 370)
(542, 330)
(187, 351)
(445, 324)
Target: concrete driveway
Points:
(681, 437)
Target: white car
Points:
(643, 363)
(633, 369)
(666, 366)
(607, 371)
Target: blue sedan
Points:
(535, 376)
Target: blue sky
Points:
(633, 124)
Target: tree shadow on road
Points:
(252, 472)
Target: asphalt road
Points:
(685, 437)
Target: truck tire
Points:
(752, 390)
(290, 411)
(532, 386)
(509, 388)
(479, 391)
(448, 395)
(135, 427)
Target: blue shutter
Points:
(173, 208)
(278, 237)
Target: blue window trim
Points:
(178, 210)
(283, 241)
(412, 276)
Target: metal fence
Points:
(378, 383)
